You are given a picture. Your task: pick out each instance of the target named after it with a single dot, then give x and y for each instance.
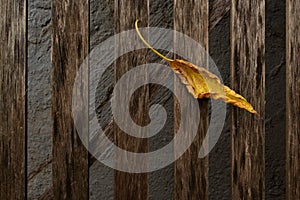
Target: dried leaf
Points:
(200, 82)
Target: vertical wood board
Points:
(248, 79)
(131, 185)
(70, 46)
(293, 100)
(191, 173)
(13, 72)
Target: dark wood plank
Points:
(293, 100)
(248, 79)
(70, 46)
(13, 72)
(191, 173)
(129, 185)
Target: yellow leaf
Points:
(200, 82)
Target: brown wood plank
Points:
(293, 100)
(248, 79)
(70, 46)
(129, 185)
(191, 173)
(13, 72)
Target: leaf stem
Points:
(148, 45)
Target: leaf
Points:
(200, 82)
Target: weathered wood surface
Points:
(13, 72)
(191, 173)
(293, 100)
(217, 13)
(218, 7)
(70, 46)
(131, 185)
(248, 79)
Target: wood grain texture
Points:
(218, 10)
(293, 100)
(129, 185)
(217, 13)
(248, 79)
(13, 72)
(70, 46)
(190, 172)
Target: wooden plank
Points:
(70, 46)
(129, 185)
(248, 79)
(191, 173)
(293, 100)
(13, 72)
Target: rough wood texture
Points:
(217, 10)
(248, 79)
(217, 13)
(69, 48)
(13, 61)
(127, 185)
(293, 100)
(191, 173)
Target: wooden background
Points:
(70, 45)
